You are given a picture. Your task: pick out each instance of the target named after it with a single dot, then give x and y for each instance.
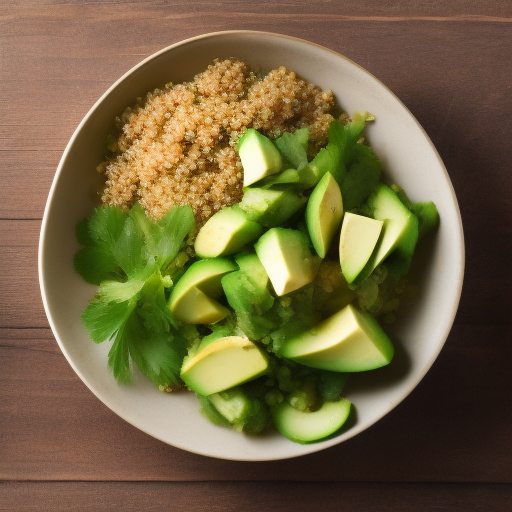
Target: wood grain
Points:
(252, 497)
(447, 447)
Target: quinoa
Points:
(177, 146)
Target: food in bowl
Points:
(229, 204)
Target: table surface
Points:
(446, 447)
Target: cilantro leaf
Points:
(293, 146)
(129, 249)
(95, 264)
(176, 225)
(104, 319)
(125, 254)
(361, 177)
(98, 233)
(119, 354)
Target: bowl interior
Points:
(409, 159)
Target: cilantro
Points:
(128, 255)
(293, 146)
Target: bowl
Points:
(409, 159)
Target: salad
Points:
(262, 295)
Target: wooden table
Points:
(448, 446)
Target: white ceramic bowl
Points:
(409, 159)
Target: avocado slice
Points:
(399, 233)
(259, 156)
(324, 213)
(192, 298)
(226, 232)
(348, 341)
(305, 426)
(359, 236)
(287, 259)
(224, 364)
(195, 307)
(270, 207)
(247, 289)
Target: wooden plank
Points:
(252, 496)
(454, 427)
(397, 9)
(20, 297)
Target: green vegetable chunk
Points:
(358, 238)
(223, 364)
(306, 426)
(270, 207)
(226, 232)
(259, 156)
(348, 341)
(192, 299)
(324, 213)
(399, 233)
(287, 259)
(236, 408)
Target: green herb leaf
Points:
(293, 147)
(124, 253)
(104, 319)
(129, 249)
(98, 233)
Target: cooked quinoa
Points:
(177, 146)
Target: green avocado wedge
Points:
(324, 213)
(270, 207)
(223, 364)
(192, 298)
(399, 233)
(287, 259)
(348, 341)
(259, 156)
(306, 427)
(358, 238)
(226, 232)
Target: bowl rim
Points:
(310, 448)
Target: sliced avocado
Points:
(226, 232)
(348, 341)
(324, 213)
(399, 233)
(249, 263)
(223, 364)
(287, 259)
(247, 289)
(428, 216)
(259, 156)
(191, 300)
(270, 207)
(359, 236)
(195, 307)
(306, 427)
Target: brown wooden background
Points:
(447, 447)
